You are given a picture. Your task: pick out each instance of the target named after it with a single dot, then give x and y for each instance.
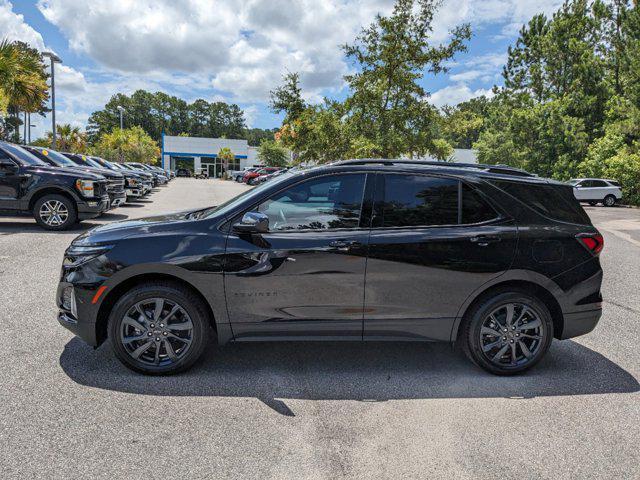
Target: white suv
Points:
(595, 190)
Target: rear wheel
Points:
(159, 328)
(507, 333)
(609, 201)
(55, 212)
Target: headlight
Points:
(132, 182)
(79, 254)
(85, 187)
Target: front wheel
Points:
(55, 212)
(508, 333)
(609, 201)
(159, 328)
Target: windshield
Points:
(247, 195)
(24, 157)
(93, 163)
(57, 158)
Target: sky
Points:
(237, 50)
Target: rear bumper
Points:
(580, 323)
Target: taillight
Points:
(592, 242)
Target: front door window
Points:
(329, 202)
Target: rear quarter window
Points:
(553, 201)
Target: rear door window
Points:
(417, 200)
(474, 209)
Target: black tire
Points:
(66, 216)
(609, 201)
(472, 341)
(172, 294)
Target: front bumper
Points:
(116, 199)
(93, 207)
(80, 317)
(135, 192)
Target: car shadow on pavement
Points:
(29, 225)
(371, 372)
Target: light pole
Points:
(54, 59)
(30, 126)
(122, 110)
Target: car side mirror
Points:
(252, 222)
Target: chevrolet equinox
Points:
(490, 258)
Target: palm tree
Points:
(23, 80)
(69, 139)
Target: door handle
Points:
(344, 244)
(484, 240)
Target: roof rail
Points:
(499, 168)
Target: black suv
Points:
(491, 258)
(56, 197)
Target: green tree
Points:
(158, 112)
(68, 139)
(287, 98)
(558, 84)
(23, 85)
(255, 135)
(227, 156)
(463, 123)
(272, 154)
(388, 104)
(130, 144)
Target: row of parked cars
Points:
(60, 189)
(257, 174)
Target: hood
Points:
(66, 171)
(110, 174)
(115, 231)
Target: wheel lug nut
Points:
(510, 341)
(152, 325)
(504, 338)
(162, 325)
(157, 339)
(517, 334)
(504, 329)
(513, 328)
(165, 333)
(149, 333)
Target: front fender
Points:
(209, 285)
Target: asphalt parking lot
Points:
(376, 410)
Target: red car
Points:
(249, 177)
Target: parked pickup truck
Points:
(56, 197)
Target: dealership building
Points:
(198, 154)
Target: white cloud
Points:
(13, 27)
(250, 114)
(237, 49)
(454, 94)
(242, 48)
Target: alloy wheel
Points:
(511, 335)
(54, 213)
(156, 332)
